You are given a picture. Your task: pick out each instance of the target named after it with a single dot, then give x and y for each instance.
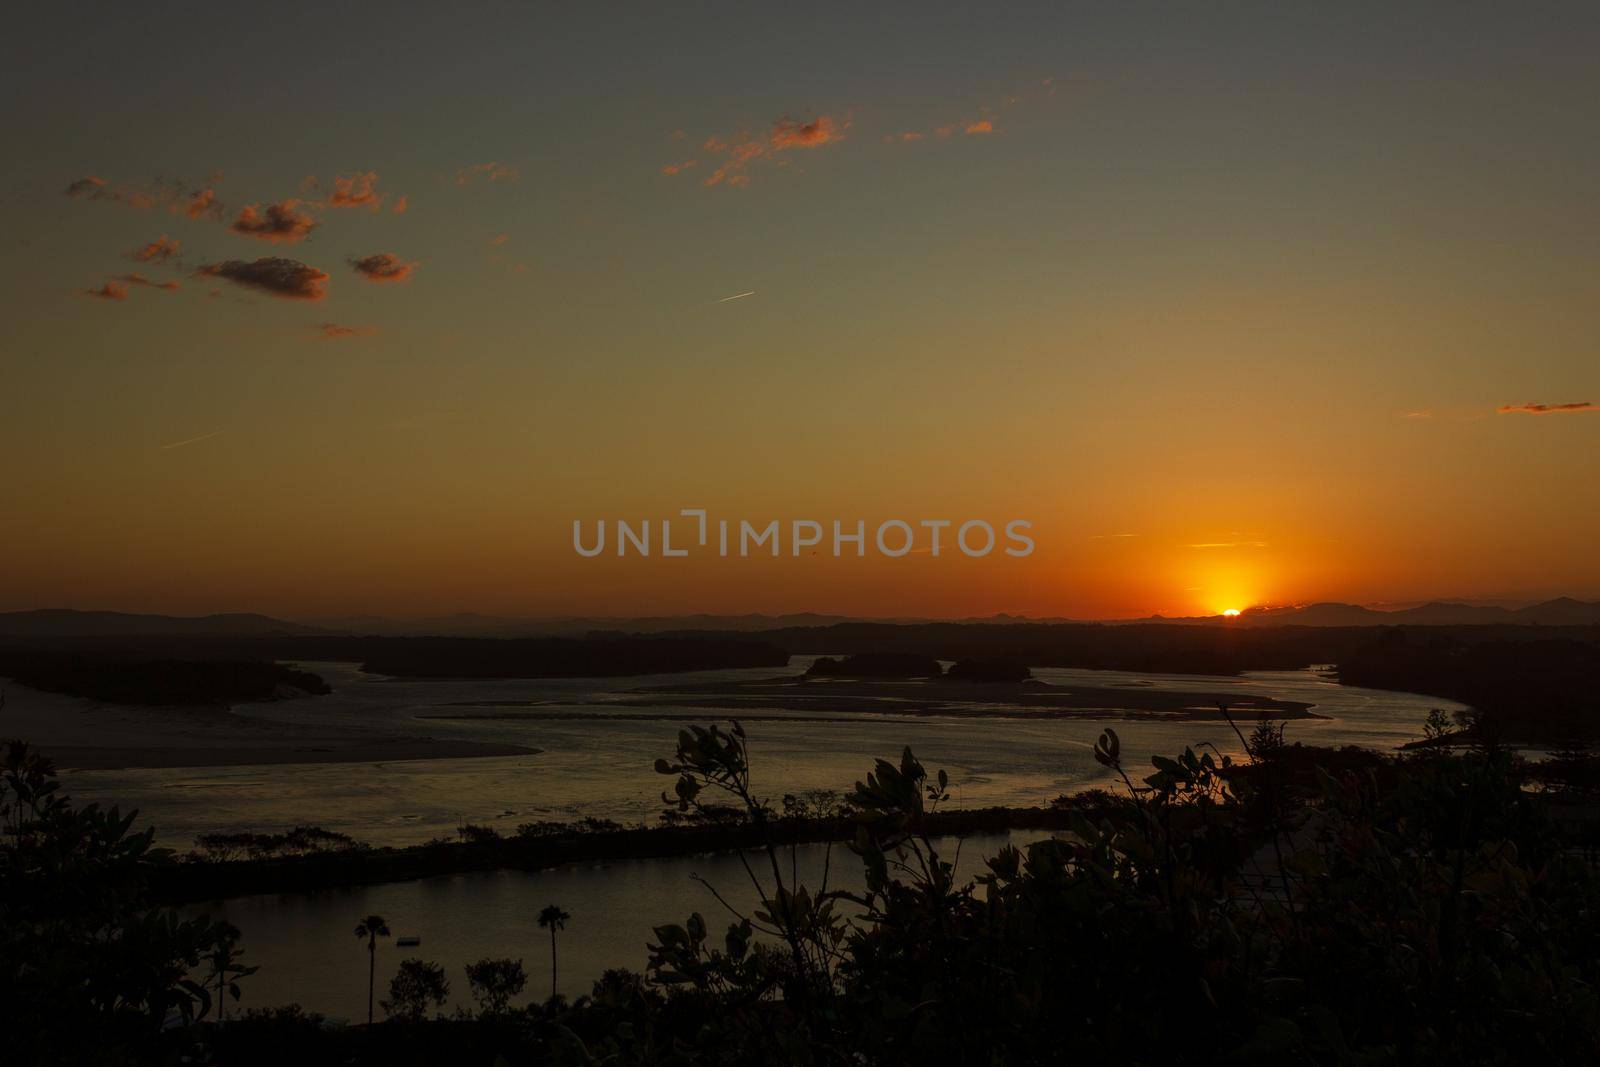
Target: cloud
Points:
(287, 278)
(1229, 544)
(90, 187)
(791, 133)
(140, 279)
(356, 190)
(499, 239)
(160, 250)
(1423, 414)
(173, 192)
(1547, 409)
(678, 168)
(491, 171)
(734, 155)
(401, 203)
(109, 291)
(981, 126)
(280, 222)
(333, 331)
(740, 156)
(202, 203)
(87, 186)
(383, 267)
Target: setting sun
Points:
(1230, 612)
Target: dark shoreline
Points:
(198, 881)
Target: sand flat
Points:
(83, 734)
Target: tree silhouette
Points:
(226, 969)
(555, 919)
(494, 982)
(416, 985)
(372, 928)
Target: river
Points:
(599, 764)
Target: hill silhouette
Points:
(69, 622)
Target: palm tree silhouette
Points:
(556, 919)
(372, 928)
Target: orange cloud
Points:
(383, 267)
(740, 156)
(164, 191)
(91, 188)
(981, 126)
(160, 250)
(490, 171)
(280, 222)
(675, 168)
(739, 152)
(332, 331)
(1547, 409)
(790, 133)
(201, 204)
(499, 239)
(140, 279)
(286, 278)
(109, 291)
(356, 190)
(400, 205)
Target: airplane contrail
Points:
(736, 296)
(192, 440)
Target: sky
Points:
(355, 308)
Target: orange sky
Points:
(1228, 307)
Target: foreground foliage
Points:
(88, 972)
(1301, 906)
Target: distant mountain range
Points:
(1562, 611)
(66, 622)
(469, 624)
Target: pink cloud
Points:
(356, 190)
(383, 267)
(109, 291)
(791, 133)
(160, 250)
(491, 171)
(1547, 409)
(286, 278)
(282, 222)
(333, 331)
(140, 279)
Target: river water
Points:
(595, 760)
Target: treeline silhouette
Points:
(1537, 690)
(558, 657)
(228, 669)
(118, 679)
(1143, 647)
(908, 665)
(877, 665)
